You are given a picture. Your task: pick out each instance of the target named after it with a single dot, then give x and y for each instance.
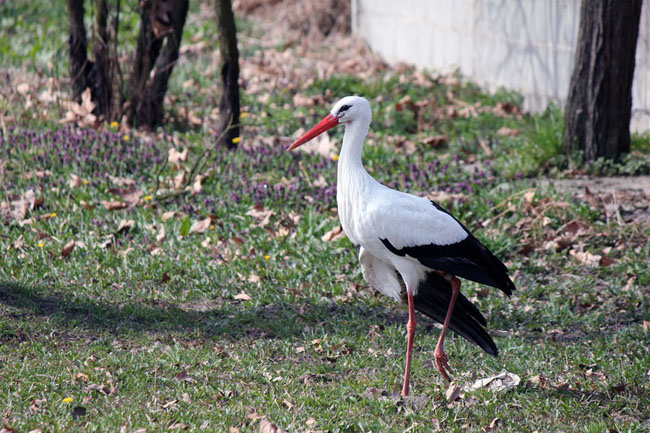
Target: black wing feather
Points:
(468, 258)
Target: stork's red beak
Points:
(327, 123)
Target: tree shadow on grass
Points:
(70, 314)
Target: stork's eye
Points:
(344, 108)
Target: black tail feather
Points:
(434, 295)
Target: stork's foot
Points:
(442, 361)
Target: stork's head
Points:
(346, 111)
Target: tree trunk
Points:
(77, 48)
(83, 72)
(116, 69)
(599, 105)
(146, 54)
(161, 21)
(167, 59)
(100, 76)
(229, 105)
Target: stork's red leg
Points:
(442, 361)
(410, 328)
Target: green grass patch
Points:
(150, 333)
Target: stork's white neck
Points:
(352, 147)
(354, 184)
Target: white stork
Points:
(411, 249)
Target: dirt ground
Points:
(626, 198)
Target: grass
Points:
(259, 317)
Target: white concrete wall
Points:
(524, 45)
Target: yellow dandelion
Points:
(127, 137)
(41, 244)
(267, 257)
(68, 400)
(243, 115)
(236, 140)
(86, 181)
(53, 214)
(147, 198)
(114, 124)
(335, 157)
(211, 227)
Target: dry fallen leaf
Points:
(125, 226)
(19, 243)
(495, 423)
(267, 427)
(503, 381)
(107, 241)
(560, 243)
(300, 100)
(130, 194)
(168, 215)
(585, 257)
(575, 228)
(629, 284)
(253, 416)
(22, 88)
(592, 199)
(196, 186)
(18, 209)
(184, 377)
(75, 181)
(201, 226)
(174, 156)
(485, 146)
(67, 249)
(334, 234)
(606, 261)
(509, 131)
(194, 119)
(321, 182)
(453, 392)
(161, 234)
(80, 113)
(596, 375)
(538, 379)
(529, 196)
(504, 109)
(169, 404)
(179, 180)
(113, 205)
(80, 376)
(242, 296)
(260, 212)
(406, 103)
(254, 278)
(436, 141)
(121, 181)
(404, 145)
(288, 404)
